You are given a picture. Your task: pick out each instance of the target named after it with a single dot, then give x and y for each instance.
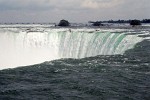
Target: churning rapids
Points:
(81, 63)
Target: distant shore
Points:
(76, 25)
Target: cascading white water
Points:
(18, 47)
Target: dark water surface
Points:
(114, 77)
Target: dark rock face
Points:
(135, 22)
(64, 23)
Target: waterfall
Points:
(19, 47)
(84, 44)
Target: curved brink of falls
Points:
(24, 48)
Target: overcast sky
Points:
(72, 10)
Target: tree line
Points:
(124, 21)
